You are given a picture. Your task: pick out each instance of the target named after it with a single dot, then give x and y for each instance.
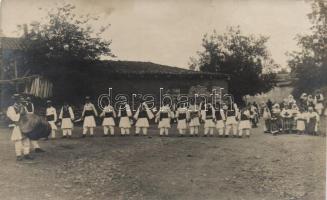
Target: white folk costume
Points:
(275, 119)
(209, 117)
(245, 124)
(287, 116)
(220, 121)
(301, 121)
(231, 122)
(318, 103)
(142, 117)
(22, 143)
(124, 114)
(266, 115)
(182, 115)
(108, 122)
(312, 122)
(89, 114)
(51, 115)
(194, 120)
(163, 118)
(67, 116)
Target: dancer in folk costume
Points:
(22, 143)
(182, 115)
(287, 117)
(312, 121)
(245, 125)
(108, 122)
(163, 117)
(253, 114)
(66, 116)
(89, 113)
(220, 120)
(29, 109)
(295, 113)
(318, 102)
(266, 115)
(142, 117)
(124, 113)
(51, 115)
(231, 122)
(194, 119)
(209, 117)
(275, 119)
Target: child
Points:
(142, 116)
(286, 115)
(318, 102)
(108, 122)
(124, 114)
(300, 120)
(245, 124)
(266, 115)
(231, 122)
(182, 116)
(51, 115)
(312, 121)
(208, 117)
(275, 119)
(67, 116)
(220, 120)
(194, 120)
(163, 118)
(88, 114)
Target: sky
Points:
(170, 31)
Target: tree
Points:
(243, 57)
(62, 47)
(309, 64)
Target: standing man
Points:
(51, 115)
(67, 116)
(88, 114)
(22, 143)
(318, 102)
(142, 117)
(29, 109)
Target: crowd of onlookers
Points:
(291, 116)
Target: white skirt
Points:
(108, 121)
(53, 125)
(164, 123)
(142, 123)
(16, 134)
(231, 120)
(194, 122)
(67, 123)
(181, 124)
(300, 125)
(245, 124)
(220, 124)
(208, 123)
(89, 122)
(124, 122)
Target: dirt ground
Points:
(261, 167)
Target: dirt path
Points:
(261, 167)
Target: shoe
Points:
(83, 136)
(64, 136)
(39, 150)
(105, 136)
(19, 158)
(28, 157)
(204, 135)
(226, 136)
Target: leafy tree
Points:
(309, 64)
(62, 46)
(244, 57)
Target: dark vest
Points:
(143, 114)
(181, 116)
(65, 112)
(218, 115)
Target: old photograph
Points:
(163, 99)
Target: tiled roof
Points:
(10, 43)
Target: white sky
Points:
(170, 31)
